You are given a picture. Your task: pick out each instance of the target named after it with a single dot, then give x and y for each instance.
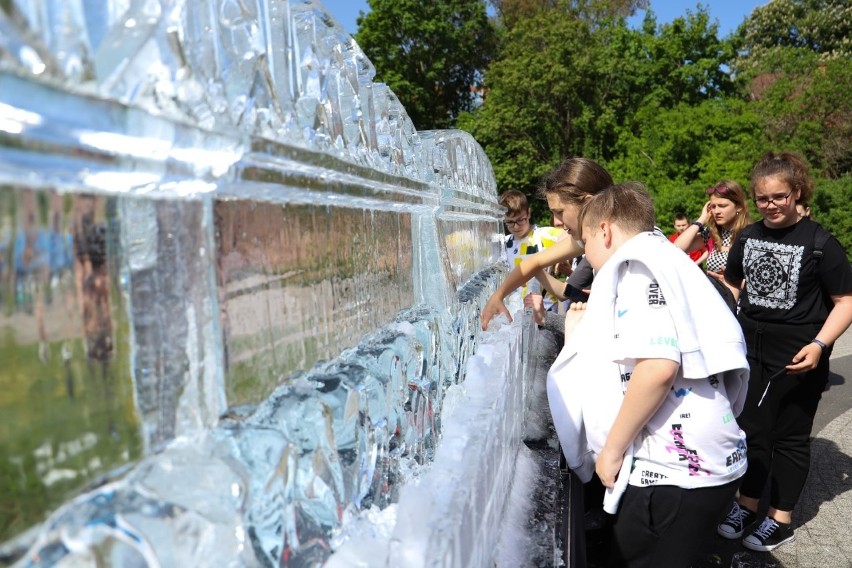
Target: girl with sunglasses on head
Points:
(797, 302)
(721, 220)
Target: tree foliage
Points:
(431, 54)
(832, 208)
(691, 144)
(511, 12)
(823, 27)
(672, 105)
(795, 62)
(563, 85)
(688, 61)
(810, 111)
(531, 103)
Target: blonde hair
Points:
(733, 192)
(627, 204)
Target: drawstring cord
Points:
(758, 345)
(769, 382)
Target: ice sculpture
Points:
(237, 286)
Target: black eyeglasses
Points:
(777, 200)
(516, 222)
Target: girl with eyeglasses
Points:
(721, 220)
(797, 301)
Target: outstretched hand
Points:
(493, 307)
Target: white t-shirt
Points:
(693, 440)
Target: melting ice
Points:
(241, 299)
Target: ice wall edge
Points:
(237, 286)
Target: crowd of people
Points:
(688, 383)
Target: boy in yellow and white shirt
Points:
(525, 238)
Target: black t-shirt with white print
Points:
(785, 282)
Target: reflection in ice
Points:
(238, 289)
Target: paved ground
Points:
(823, 516)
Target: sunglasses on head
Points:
(720, 189)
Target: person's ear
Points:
(606, 228)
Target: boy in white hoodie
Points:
(648, 385)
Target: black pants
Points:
(665, 525)
(778, 431)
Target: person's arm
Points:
(838, 321)
(734, 288)
(649, 384)
(552, 284)
(691, 238)
(703, 256)
(583, 275)
(562, 250)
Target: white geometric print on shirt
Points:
(772, 273)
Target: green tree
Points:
(564, 85)
(533, 97)
(687, 61)
(831, 207)
(431, 54)
(795, 61)
(810, 111)
(821, 26)
(686, 145)
(681, 151)
(512, 11)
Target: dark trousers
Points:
(778, 431)
(666, 525)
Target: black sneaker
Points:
(736, 522)
(769, 535)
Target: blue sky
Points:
(729, 13)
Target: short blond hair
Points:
(627, 204)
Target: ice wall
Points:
(236, 285)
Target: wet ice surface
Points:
(488, 498)
(243, 297)
(531, 531)
(248, 491)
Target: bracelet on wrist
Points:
(818, 342)
(698, 224)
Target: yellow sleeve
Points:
(550, 235)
